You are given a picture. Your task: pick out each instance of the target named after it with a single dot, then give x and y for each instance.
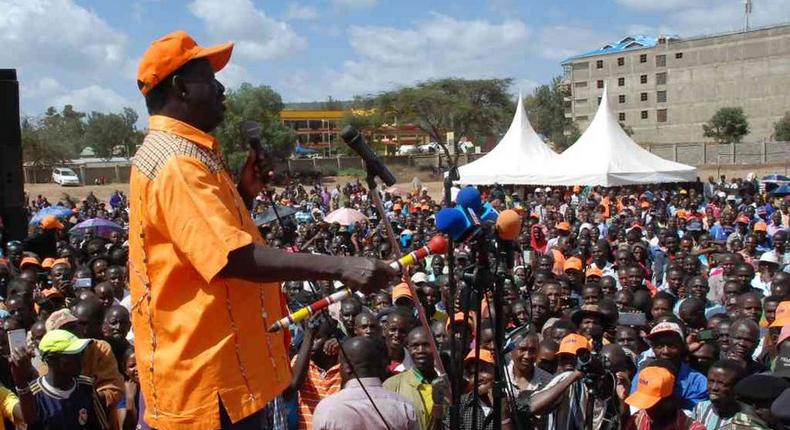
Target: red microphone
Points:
(437, 245)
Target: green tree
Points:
(727, 125)
(38, 150)
(261, 104)
(332, 104)
(546, 110)
(112, 134)
(782, 129)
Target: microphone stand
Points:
(456, 367)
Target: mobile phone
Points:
(634, 319)
(707, 335)
(16, 338)
(83, 283)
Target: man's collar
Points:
(367, 382)
(182, 129)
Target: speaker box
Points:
(12, 197)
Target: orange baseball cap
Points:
(782, 315)
(401, 290)
(458, 318)
(654, 383)
(169, 53)
(50, 222)
(572, 263)
(48, 262)
(486, 356)
(645, 204)
(572, 343)
(760, 226)
(594, 271)
(62, 261)
(564, 226)
(29, 260)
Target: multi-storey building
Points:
(666, 87)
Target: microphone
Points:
(437, 245)
(455, 223)
(355, 141)
(305, 312)
(251, 133)
(469, 197)
(508, 228)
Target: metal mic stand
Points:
(456, 368)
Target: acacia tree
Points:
(111, 134)
(782, 128)
(727, 125)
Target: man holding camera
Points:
(580, 378)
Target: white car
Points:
(65, 176)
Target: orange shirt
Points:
(318, 385)
(199, 337)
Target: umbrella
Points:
(781, 191)
(59, 211)
(345, 216)
(397, 190)
(101, 227)
(776, 178)
(268, 215)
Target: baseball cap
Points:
(401, 290)
(769, 257)
(594, 271)
(654, 383)
(783, 335)
(419, 277)
(666, 327)
(169, 53)
(572, 343)
(572, 263)
(62, 342)
(47, 263)
(58, 319)
(49, 222)
(782, 315)
(564, 226)
(760, 226)
(30, 260)
(486, 356)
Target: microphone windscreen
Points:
(488, 213)
(438, 244)
(508, 225)
(452, 222)
(469, 197)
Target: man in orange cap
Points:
(564, 398)
(44, 243)
(204, 284)
(658, 407)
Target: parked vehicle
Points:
(65, 176)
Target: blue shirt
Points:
(690, 386)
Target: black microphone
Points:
(251, 133)
(355, 141)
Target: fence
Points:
(708, 157)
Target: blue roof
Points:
(631, 42)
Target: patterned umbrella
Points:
(61, 212)
(100, 226)
(345, 216)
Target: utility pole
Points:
(747, 11)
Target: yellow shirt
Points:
(8, 401)
(199, 337)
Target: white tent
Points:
(605, 155)
(514, 159)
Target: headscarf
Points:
(533, 242)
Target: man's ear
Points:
(179, 87)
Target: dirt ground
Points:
(55, 192)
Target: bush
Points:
(352, 171)
(782, 129)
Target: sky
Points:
(85, 52)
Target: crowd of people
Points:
(649, 307)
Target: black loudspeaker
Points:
(12, 197)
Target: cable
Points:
(356, 377)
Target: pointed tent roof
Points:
(605, 155)
(513, 159)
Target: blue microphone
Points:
(469, 198)
(454, 222)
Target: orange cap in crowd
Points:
(458, 318)
(29, 261)
(655, 383)
(572, 343)
(563, 226)
(572, 263)
(760, 226)
(401, 290)
(782, 317)
(169, 53)
(49, 222)
(47, 263)
(61, 261)
(594, 271)
(486, 356)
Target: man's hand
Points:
(440, 391)
(365, 274)
(252, 180)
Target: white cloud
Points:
(524, 86)
(442, 46)
(256, 35)
(354, 4)
(662, 5)
(58, 35)
(93, 98)
(560, 42)
(40, 88)
(299, 11)
(233, 75)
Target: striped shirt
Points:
(78, 408)
(318, 384)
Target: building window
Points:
(581, 66)
(599, 64)
(643, 58)
(661, 96)
(620, 82)
(678, 55)
(621, 61)
(581, 118)
(661, 115)
(600, 83)
(643, 97)
(621, 98)
(644, 114)
(580, 84)
(661, 60)
(581, 101)
(643, 79)
(621, 116)
(661, 78)
(599, 100)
